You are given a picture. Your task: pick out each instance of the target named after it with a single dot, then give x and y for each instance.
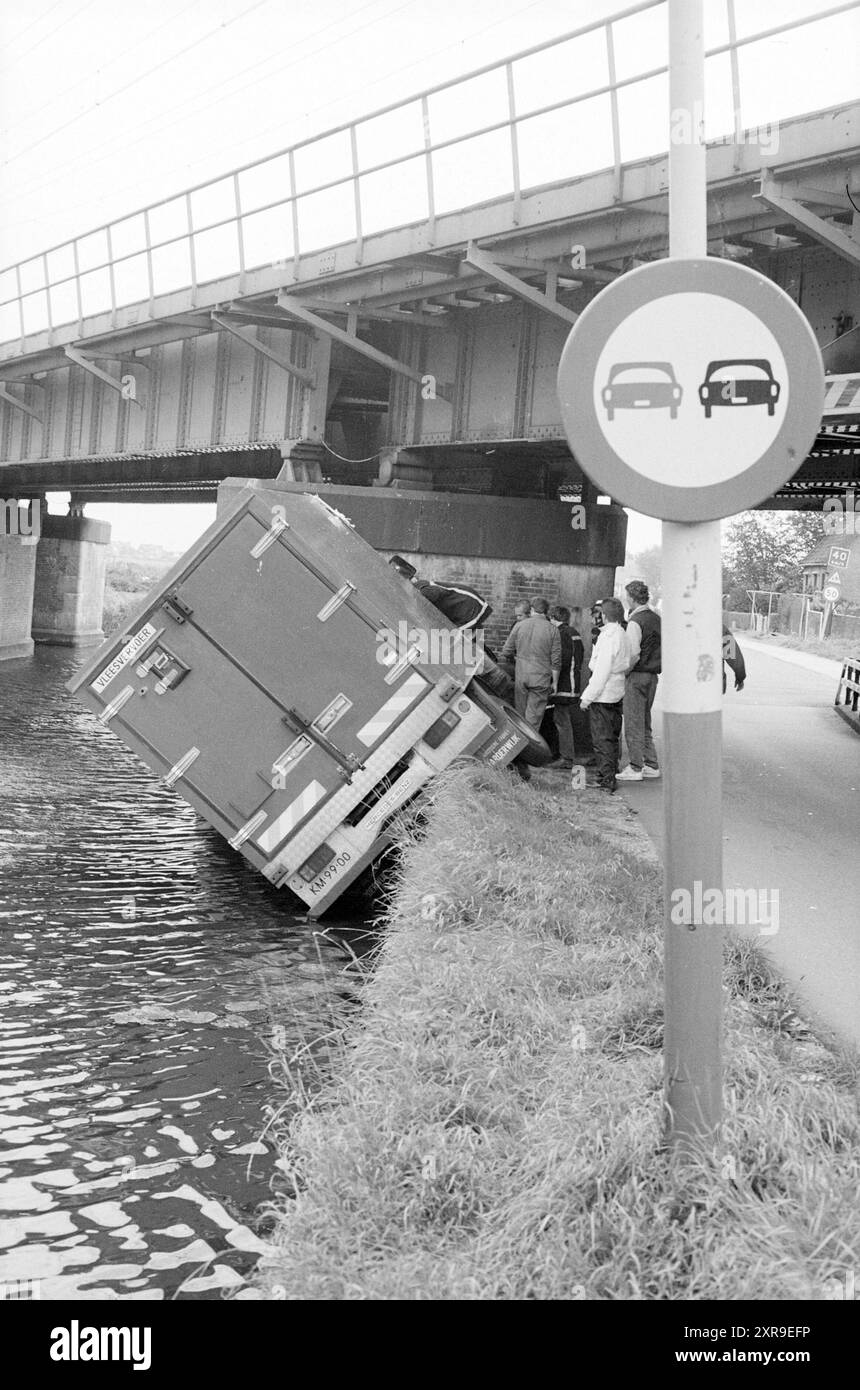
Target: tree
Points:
(766, 550)
(645, 564)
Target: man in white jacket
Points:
(603, 697)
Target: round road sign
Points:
(831, 593)
(691, 389)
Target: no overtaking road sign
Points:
(691, 389)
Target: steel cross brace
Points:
(350, 339)
(830, 236)
(19, 405)
(482, 260)
(302, 374)
(89, 366)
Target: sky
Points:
(109, 105)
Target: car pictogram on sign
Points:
(739, 381)
(638, 385)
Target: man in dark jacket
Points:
(734, 658)
(644, 635)
(569, 685)
(461, 605)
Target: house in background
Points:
(831, 572)
(831, 586)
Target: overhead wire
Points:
(219, 28)
(401, 67)
(108, 62)
(33, 23)
(121, 142)
(53, 33)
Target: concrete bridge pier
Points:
(69, 591)
(19, 535)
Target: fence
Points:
(848, 694)
(591, 99)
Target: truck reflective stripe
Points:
(246, 831)
(116, 704)
(180, 768)
(288, 819)
(384, 717)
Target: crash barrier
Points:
(848, 694)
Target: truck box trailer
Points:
(296, 691)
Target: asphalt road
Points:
(791, 822)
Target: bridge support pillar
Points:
(18, 546)
(70, 581)
(302, 461)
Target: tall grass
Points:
(494, 1125)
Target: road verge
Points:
(492, 1126)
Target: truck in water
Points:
(281, 679)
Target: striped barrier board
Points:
(842, 395)
(848, 694)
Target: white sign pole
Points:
(692, 682)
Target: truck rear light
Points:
(438, 732)
(317, 862)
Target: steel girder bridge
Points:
(387, 303)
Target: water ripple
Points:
(143, 969)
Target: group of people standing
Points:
(547, 656)
(624, 668)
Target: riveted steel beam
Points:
(824, 232)
(483, 261)
(307, 378)
(351, 340)
(88, 365)
(263, 317)
(19, 405)
(592, 274)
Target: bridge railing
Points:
(595, 98)
(848, 694)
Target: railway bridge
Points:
(378, 314)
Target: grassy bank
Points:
(837, 648)
(126, 586)
(492, 1128)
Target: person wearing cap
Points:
(461, 605)
(644, 636)
(603, 697)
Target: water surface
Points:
(146, 971)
